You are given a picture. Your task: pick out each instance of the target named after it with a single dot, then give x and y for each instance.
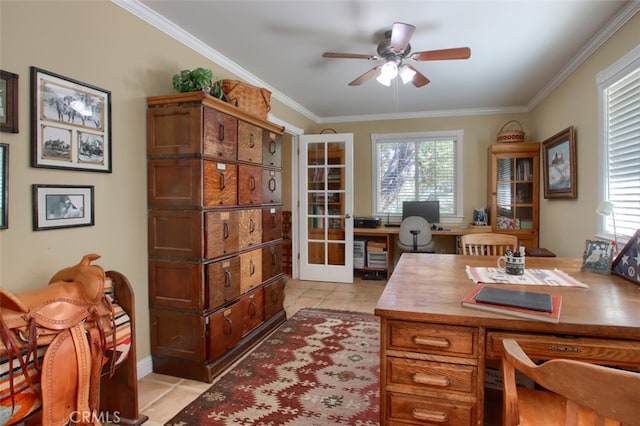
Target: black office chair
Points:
(415, 235)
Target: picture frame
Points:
(559, 165)
(8, 102)
(4, 186)
(62, 206)
(70, 123)
(597, 256)
(625, 264)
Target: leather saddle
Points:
(73, 316)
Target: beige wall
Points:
(566, 224)
(479, 133)
(99, 43)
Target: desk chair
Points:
(488, 244)
(415, 235)
(579, 393)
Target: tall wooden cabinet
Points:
(514, 190)
(216, 285)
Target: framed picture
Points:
(4, 186)
(71, 123)
(62, 206)
(597, 256)
(8, 102)
(559, 165)
(626, 263)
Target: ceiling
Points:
(519, 49)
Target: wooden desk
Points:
(389, 235)
(433, 351)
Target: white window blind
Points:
(621, 134)
(416, 167)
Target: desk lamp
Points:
(605, 208)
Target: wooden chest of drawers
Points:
(430, 373)
(214, 233)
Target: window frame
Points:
(620, 69)
(457, 135)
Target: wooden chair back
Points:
(577, 393)
(488, 244)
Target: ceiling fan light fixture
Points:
(389, 70)
(406, 74)
(384, 80)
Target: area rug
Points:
(320, 367)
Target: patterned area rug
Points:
(321, 367)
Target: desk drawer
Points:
(432, 375)
(428, 411)
(433, 338)
(539, 346)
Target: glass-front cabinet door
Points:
(326, 255)
(514, 190)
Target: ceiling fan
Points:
(394, 50)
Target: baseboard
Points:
(145, 367)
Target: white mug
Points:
(512, 265)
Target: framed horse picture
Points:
(70, 123)
(62, 206)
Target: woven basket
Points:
(511, 135)
(250, 99)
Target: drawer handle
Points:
(431, 341)
(431, 380)
(252, 225)
(227, 278)
(565, 348)
(225, 230)
(252, 142)
(275, 295)
(272, 147)
(252, 267)
(430, 416)
(223, 182)
(221, 132)
(273, 221)
(253, 309)
(229, 326)
(274, 258)
(272, 184)
(252, 183)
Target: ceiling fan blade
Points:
(400, 36)
(442, 55)
(418, 79)
(366, 76)
(349, 56)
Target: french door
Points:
(326, 206)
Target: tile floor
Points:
(161, 397)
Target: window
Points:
(619, 88)
(417, 167)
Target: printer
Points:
(366, 222)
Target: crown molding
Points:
(426, 114)
(159, 22)
(622, 17)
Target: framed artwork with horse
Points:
(62, 206)
(70, 123)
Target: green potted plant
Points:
(198, 79)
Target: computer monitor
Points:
(429, 210)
